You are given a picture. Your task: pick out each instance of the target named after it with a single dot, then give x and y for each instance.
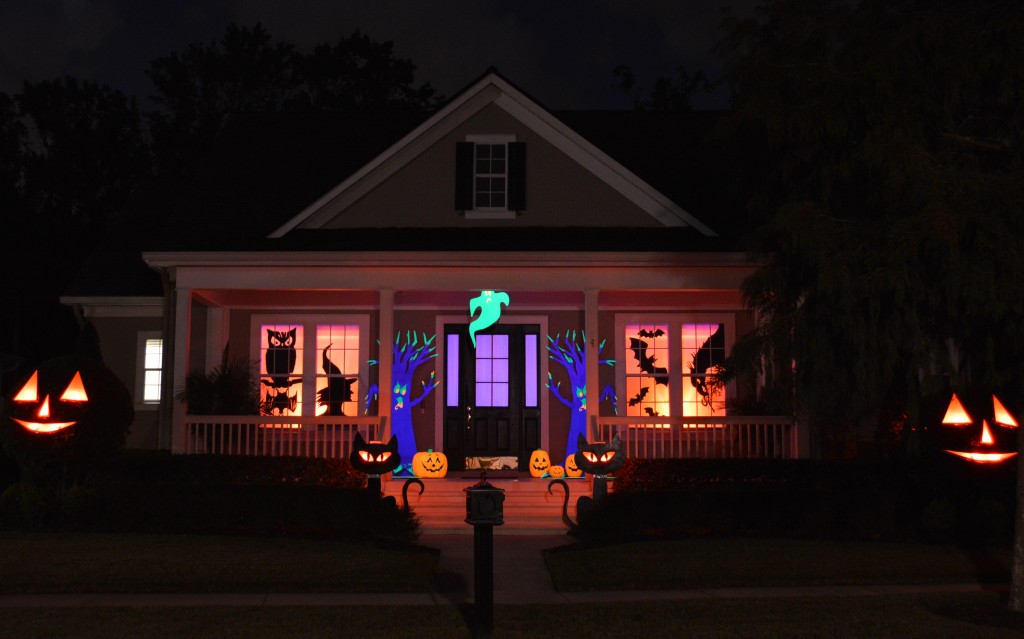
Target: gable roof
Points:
(493, 89)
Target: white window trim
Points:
(675, 362)
(491, 212)
(310, 356)
(140, 370)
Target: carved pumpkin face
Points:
(599, 458)
(431, 463)
(571, 469)
(33, 406)
(375, 458)
(540, 462)
(986, 447)
(556, 472)
(71, 409)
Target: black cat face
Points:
(375, 458)
(599, 458)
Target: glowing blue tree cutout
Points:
(407, 358)
(572, 355)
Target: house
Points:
(485, 279)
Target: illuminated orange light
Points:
(983, 458)
(955, 414)
(41, 427)
(75, 392)
(986, 434)
(30, 391)
(1002, 416)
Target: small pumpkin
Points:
(571, 469)
(430, 463)
(540, 462)
(556, 472)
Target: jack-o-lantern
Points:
(985, 447)
(599, 458)
(571, 469)
(69, 409)
(540, 462)
(374, 458)
(433, 464)
(556, 472)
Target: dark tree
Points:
(668, 94)
(881, 143)
(248, 70)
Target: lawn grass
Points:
(714, 563)
(86, 562)
(968, 616)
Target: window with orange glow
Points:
(664, 365)
(311, 364)
(647, 370)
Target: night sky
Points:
(561, 53)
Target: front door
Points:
(492, 398)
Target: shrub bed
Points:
(934, 500)
(154, 491)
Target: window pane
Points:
(483, 346)
(483, 394)
(499, 395)
(281, 369)
(483, 370)
(452, 371)
(151, 386)
(647, 374)
(154, 353)
(703, 348)
(531, 372)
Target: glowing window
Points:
(337, 373)
(703, 352)
(647, 370)
(492, 368)
(281, 367)
(148, 369)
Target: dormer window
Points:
(490, 177)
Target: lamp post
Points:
(484, 510)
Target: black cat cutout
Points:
(599, 459)
(338, 389)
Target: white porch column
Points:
(593, 340)
(386, 358)
(182, 340)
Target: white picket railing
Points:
(323, 437)
(742, 437)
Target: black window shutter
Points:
(463, 176)
(517, 176)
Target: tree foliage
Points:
(672, 95)
(881, 144)
(248, 70)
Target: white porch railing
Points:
(322, 437)
(743, 437)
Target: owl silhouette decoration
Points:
(279, 362)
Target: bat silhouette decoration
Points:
(639, 348)
(489, 304)
(639, 397)
(702, 361)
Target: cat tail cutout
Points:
(565, 503)
(405, 491)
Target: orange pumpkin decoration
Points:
(431, 463)
(556, 472)
(956, 416)
(571, 469)
(540, 462)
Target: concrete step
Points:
(528, 508)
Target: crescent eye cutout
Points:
(30, 391)
(384, 456)
(608, 456)
(75, 392)
(366, 455)
(589, 456)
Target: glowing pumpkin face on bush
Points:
(72, 409)
(571, 469)
(430, 464)
(599, 458)
(540, 462)
(985, 448)
(34, 411)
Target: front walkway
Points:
(520, 577)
